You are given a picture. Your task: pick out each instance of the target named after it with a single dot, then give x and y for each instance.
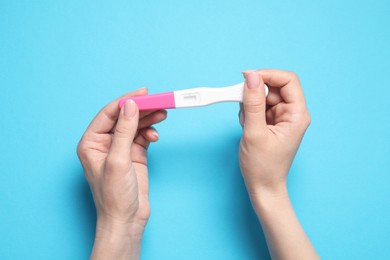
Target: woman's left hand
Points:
(113, 154)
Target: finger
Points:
(280, 113)
(150, 134)
(276, 78)
(273, 96)
(124, 133)
(241, 116)
(270, 116)
(150, 117)
(291, 90)
(145, 113)
(105, 120)
(143, 139)
(254, 102)
(154, 118)
(146, 136)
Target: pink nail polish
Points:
(252, 79)
(130, 108)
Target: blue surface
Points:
(61, 61)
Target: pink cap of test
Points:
(152, 102)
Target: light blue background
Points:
(61, 61)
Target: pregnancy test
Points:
(193, 97)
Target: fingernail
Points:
(129, 108)
(247, 71)
(252, 79)
(155, 134)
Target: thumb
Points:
(254, 102)
(125, 130)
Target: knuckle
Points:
(308, 119)
(254, 109)
(294, 75)
(253, 105)
(84, 149)
(304, 120)
(115, 163)
(122, 130)
(81, 148)
(247, 137)
(251, 136)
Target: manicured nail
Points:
(129, 108)
(252, 79)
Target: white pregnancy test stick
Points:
(193, 97)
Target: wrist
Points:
(125, 230)
(116, 240)
(268, 198)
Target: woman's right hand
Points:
(273, 128)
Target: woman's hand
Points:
(113, 154)
(273, 129)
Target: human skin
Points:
(113, 154)
(273, 128)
